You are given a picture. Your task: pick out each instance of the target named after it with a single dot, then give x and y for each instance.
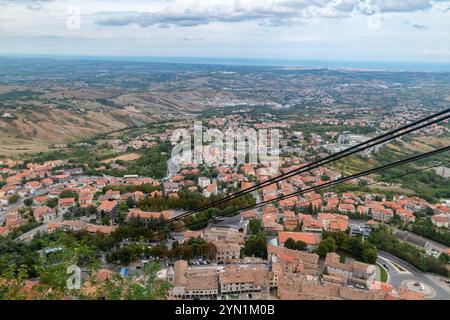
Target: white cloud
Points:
(291, 28)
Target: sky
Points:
(339, 30)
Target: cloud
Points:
(266, 12)
(403, 5)
(188, 17)
(192, 39)
(273, 13)
(420, 26)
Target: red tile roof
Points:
(107, 206)
(306, 237)
(136, 213)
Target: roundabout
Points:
(419, 287)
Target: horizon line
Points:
(305, 63)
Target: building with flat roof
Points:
(227, 252)
(193, 283)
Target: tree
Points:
(444, 258)
(106, 221)
(396, 220)
(369, 254)
(130, 203)
(424, 227)
(68, 194)
(290, 243)
(295, 245)
(353, 245)
(322, 249)
(28, 202)
(255, 226)
(13, 199)
(148, 287)
(52, 268)
(125, 254)
(12, 282)
(52, 203)
(256, 245)
(384, 240)
(325, 246)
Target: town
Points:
(367, 239)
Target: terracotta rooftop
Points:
(107, 206)
(149, 215)
(306, 237)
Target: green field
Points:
(383, 273)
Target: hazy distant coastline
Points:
(303, 64)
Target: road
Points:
(441, 289)
(30, 234)
(172, 169)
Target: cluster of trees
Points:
(152, 163)
(384, 240)
(186, 200)
(325, 246)
(189, 200)
(295, 245)
(76, 212)
(355, 246)
(256, 246)
(148, 287)
(13, 199)
(193, 248)
(424, 227)
(14, 254)
(136, 230)
(52, 203)
(26, 255)
(145, 188)
(68, 194)
(200, 220)
(428, 184)
(255, 226)
(19, 262)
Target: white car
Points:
(418, 284)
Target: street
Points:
(409, 272)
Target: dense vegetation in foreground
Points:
(48, 258)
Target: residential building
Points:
(354, 269)
(108, 208)
(310, 239)
(193, 283)
(333, 222)
(66, 202)
(44, 214)
(210, 190)
(440, 220)
(146, 216)
(239, 279)
(227, 252)
(203, 182)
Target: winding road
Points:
(441, 290)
